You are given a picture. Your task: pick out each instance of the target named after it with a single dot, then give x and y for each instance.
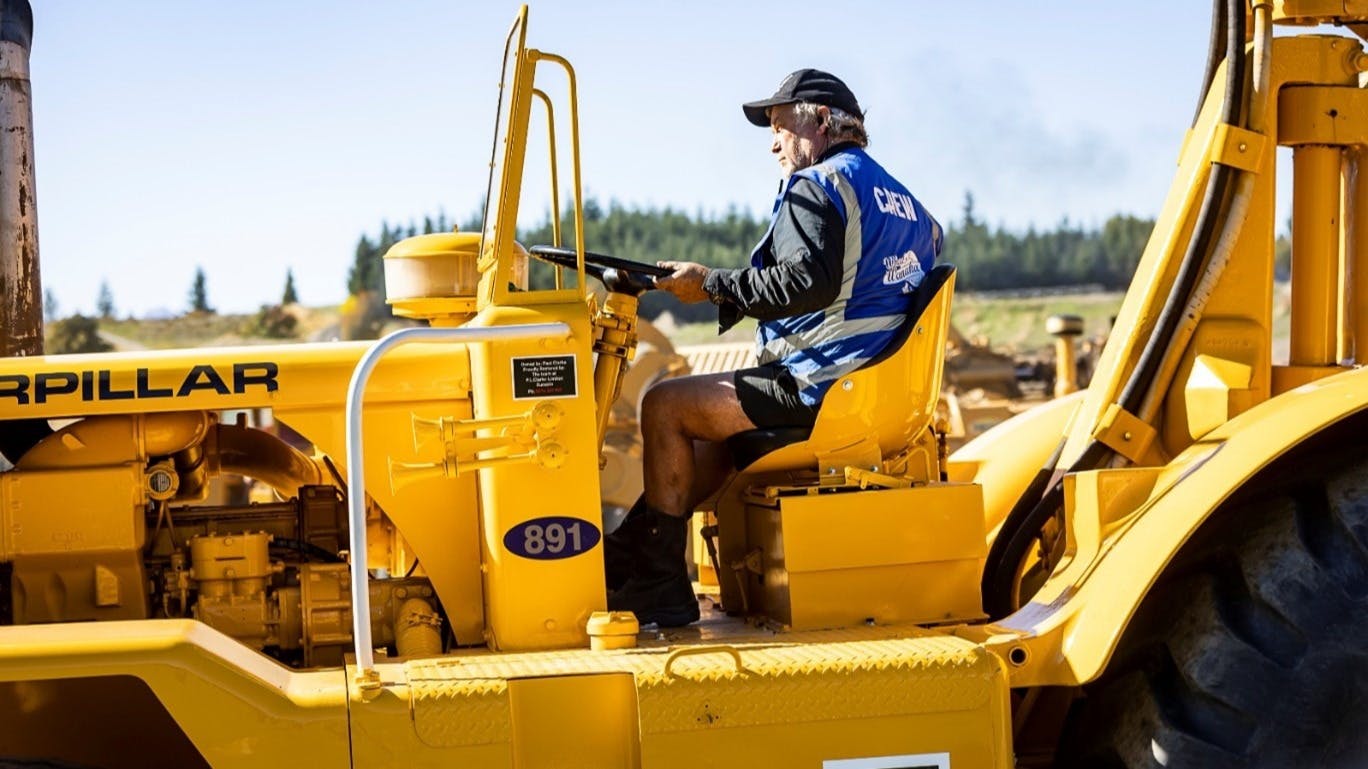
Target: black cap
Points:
(810, 85)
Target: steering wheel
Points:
(619, 275)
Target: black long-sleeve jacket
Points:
(802, 258)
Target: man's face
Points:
(796, 146)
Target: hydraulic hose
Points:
(1210, 219)
(1242, 191)
(1216, 51)
(1032, 510)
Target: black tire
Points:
(1254, 652)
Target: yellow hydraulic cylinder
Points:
(616, 342)
(1356, 255)
(1315, 254)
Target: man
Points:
(830, 284)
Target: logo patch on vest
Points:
(900, 269)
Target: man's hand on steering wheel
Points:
(685, 281)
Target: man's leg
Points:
(674, 414)
(712, 466)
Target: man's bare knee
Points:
(658, 407)
(703, 406)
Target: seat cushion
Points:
(748, 446)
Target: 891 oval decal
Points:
(552, 537)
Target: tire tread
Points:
(1214, 669)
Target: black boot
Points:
(620, 547)
(659, 590)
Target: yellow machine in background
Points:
(1167, 567)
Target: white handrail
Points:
(356, 476)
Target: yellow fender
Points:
(1127, 525)
(1004, 459)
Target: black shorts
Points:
(769, 396)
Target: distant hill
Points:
(214, 329)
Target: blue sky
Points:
(252, 137)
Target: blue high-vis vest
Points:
(891, 242)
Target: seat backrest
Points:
(889, 401)
(922, 297)
(894, 395)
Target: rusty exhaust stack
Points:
(21, 291)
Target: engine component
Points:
(305, 608)
(69, 572)
(323, 599)
(232, 574)
(100, 441)
(417, 628)
(162, 482)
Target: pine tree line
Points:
(1068, 255)
(988, 258)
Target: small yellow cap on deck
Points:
(613, 630)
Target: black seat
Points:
(748, 446)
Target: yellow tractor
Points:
(1168, 568)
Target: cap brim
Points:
(756, 111)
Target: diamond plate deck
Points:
(782, 679)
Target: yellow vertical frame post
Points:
(540, 554)
(555, 181)
(1315, 254)
(1356, 256)
(1343, 338)
(574, 150)
(505, 209)
(500, 234)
